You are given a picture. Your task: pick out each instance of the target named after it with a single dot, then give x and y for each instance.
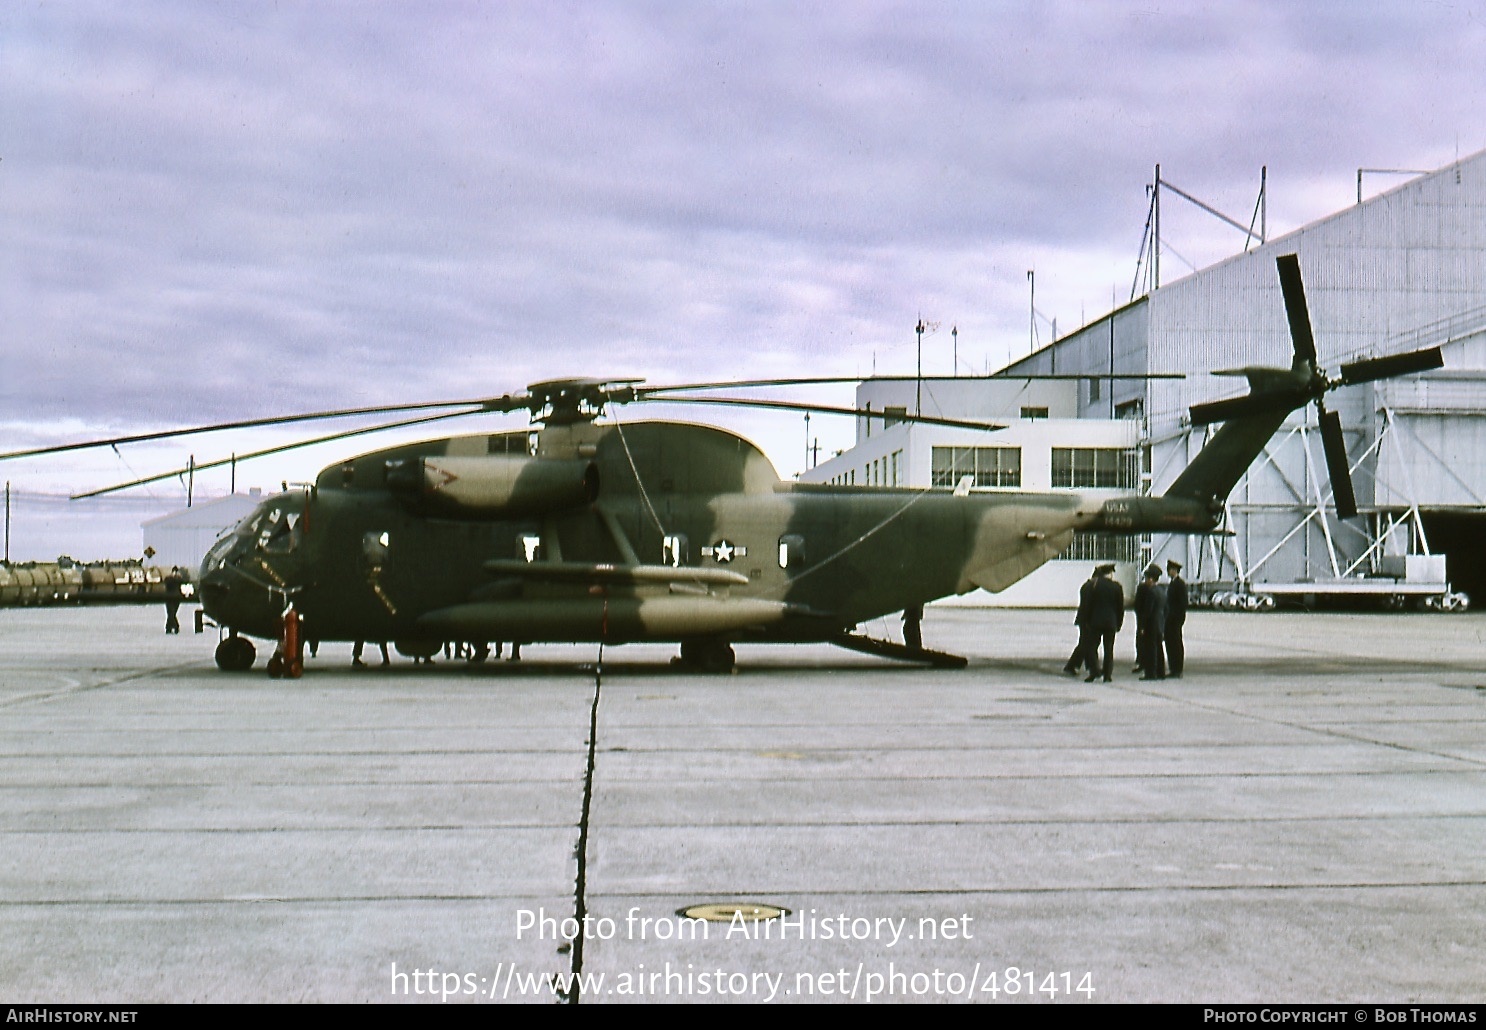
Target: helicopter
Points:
(585, 530)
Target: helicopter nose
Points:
(231, 599)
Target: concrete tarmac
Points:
(1300, 819)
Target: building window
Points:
(1102, 547)
(990, 466)
(1097, 467)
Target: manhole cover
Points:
(730, 911)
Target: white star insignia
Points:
(724, 551)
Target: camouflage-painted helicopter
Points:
(586, 531)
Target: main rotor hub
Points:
(559, 402)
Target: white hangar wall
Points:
(1402, 270)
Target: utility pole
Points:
(7, 522)
(954, 335)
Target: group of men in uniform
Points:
(1160, 614)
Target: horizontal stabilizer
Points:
(1248, 404)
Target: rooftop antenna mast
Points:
(1149, 258)
(918, 393)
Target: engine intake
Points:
(494, 486)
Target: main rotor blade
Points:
(1335, 446)
(1248, 404)
(1404, 364)
(1295, 308)
(506, 403)
(826, 409)
(364, 430)
(643, 392)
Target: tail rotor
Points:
(1278, 389)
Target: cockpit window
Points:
(279, 532)
(275, 527)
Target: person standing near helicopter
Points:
(1105, 617)
(174, 591)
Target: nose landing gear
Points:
(235, 653)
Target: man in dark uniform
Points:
(1142, 594)
(1176, 617)
(1106, 616)
(1150, 625)
(174, 583)
(1087, 651)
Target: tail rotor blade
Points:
(1335, 446)
(1408, 363)
(1295, 308)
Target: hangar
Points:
(1398, 271)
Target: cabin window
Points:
(374, 547)
(529, 546)
(673, 550)
(792, 551)
(1034, 413)
(989, 466)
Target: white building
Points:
(183, 537)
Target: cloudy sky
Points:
(218, 210)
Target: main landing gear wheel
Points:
(236, 654)
(715, 656)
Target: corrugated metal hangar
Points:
(1397, 272)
